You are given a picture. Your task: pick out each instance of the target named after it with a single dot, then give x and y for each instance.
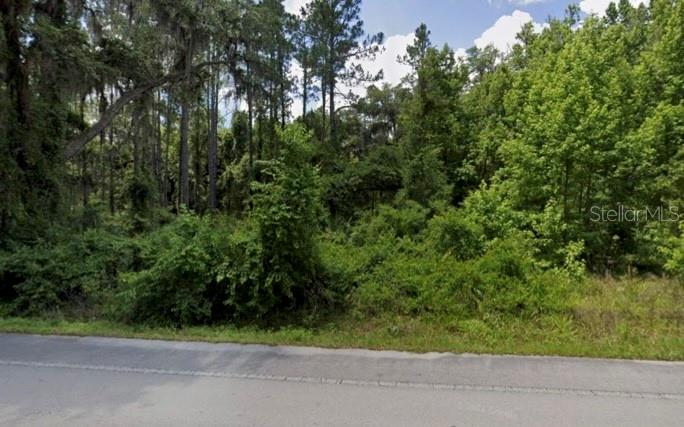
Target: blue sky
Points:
(460, 23)
(457, 22)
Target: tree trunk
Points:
(103, 139)
(158, 151)
(16, 75)
(331, 114)
(184, 161)
(166, 162)
(305, 86)
(135, 128)
(283, 95)
(258, 155)
(84, 160)
(84, 178)
(213, 142)
(184, 181)
(112, 207)
(77, 144)
(197, 166)
(324, 98)
(250, 135)
(330, 70)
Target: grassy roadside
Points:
(625, 318)
(544, 337)
(410, 335)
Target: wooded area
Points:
(153, 168)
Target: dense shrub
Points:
(454, 233)
(177, 284)
(198, 270)
(674, 251)
(287, 212)
(67, 272)
(414, 278)
(424, 178)
(407, 219)
(510, 279)
(269, 263)
(364, 183)
(491, 209)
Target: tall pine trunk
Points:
(331, 113)
(212, 153)
(250, 131)
(324, 99)
(305, 85)
(167, 148)
(184, 161)
(112, 206)
(158, 151)
(103, 139)
(283, 94)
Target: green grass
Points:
(629, 318)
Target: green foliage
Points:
(401, 261)
(453, 233)
(491, 209)
(265, 266)
(465, 193)
(674, 252)
(234, 185)
(413, 279)
(424, 179)
(406, 220)
(66, 272)
(513, 281)
(286, 211)
(139, 191)
(176, 284)
(364, 183)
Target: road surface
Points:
(70, 381)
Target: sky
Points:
(459, 23)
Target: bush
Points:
(68, 272)
(275, 264)
(674, 251)
(364, 183)
(424, 179)
(411, 281)
(453, 233)
(491, 209)
(415, 279)
(198, 270)
(511, 280)
(406, 220)
(177, 284)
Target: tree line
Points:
(127, 93)
(137, 116)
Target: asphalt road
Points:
(70, 381)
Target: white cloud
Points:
(502, 34)
(526, 2)
(598, 7)
(294, 6)
(460, 53)
(393, 71)
(518, 2)
(386, 61)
